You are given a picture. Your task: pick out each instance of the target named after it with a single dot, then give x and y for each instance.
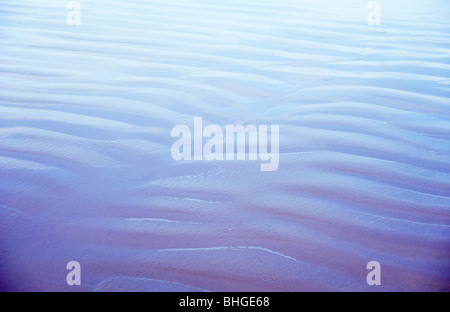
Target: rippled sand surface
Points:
(86, 173)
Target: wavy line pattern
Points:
(86, 172)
